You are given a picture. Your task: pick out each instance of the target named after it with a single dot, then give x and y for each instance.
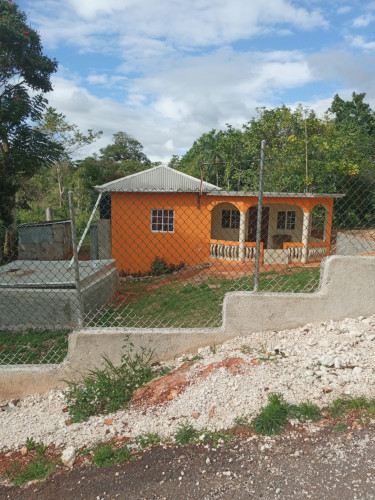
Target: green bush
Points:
(109, 389)
(185, 434)
(273, 417)
(106, 455)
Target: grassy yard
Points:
(33, 347)
(195, 304)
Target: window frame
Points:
(289, 220)
(165, 220)
(233, 220)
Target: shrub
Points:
(106, 455)
(109, 389)
(273, 417)
(159, 266)
(185, 434)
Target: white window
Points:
(230, 218)
(286, 219)
(162, 221)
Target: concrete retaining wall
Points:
(347, 289)
(51, 308)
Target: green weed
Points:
(39, 468)
(185, 434)
(109, 389)
(30, 444)
(146, 440)
(106, 455)
(243, 419)
(217, 438)
(273, 418)
(304, 411)
(340, 426)
(340, 405)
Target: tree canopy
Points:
(25, 74)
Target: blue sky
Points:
(165, 71)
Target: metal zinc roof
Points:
(159, 178)
(276, 194)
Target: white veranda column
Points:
(305, 235)
(241, 254)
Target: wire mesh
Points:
(163, 248)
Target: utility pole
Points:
(306, 153)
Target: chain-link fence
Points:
(162, 248)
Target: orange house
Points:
(167, 214)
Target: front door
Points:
(252, 233)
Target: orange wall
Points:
(135, 247)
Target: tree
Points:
(25, 74)
(124, 148)
(71, 140)
(121, 158)
(354, 113)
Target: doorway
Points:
(252, 227)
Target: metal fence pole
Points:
(75, 259)
(259, 218)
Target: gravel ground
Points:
(316, 362)
(324, 465)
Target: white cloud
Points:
(95, 79)
(186, 24)
(363, 21)
(167, 110)
(344, 9)
(359, 42)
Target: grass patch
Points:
(273, 418)
(341, 427)
(109, 389)
(340, 405)
(33, 347)
(304, 412)
(148, 439)
(217, 438)
(106, 455)
(194, 305)
(185, 434)
(38, 468)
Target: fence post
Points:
(259, 217)
(75, 259)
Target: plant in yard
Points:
(148, 439)
(30, 444)
(159, 266)
(106, 455)
(185, 434)
(218, 438)
(339, 405)
(243, 419)
(38, 468)
(109, 389)
(340, 426)
(273, 417)
(304, 411)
